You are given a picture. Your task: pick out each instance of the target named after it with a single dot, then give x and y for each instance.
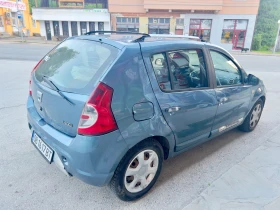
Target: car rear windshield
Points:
(75, 64)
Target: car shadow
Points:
(185, 160)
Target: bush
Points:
(257, 42)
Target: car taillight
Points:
(97, 117)
(30, 89)
(30, 81)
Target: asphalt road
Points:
(28, 182)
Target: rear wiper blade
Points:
(50, 83)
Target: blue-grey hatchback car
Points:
(109, 112)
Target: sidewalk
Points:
(252, 184)
(32, 39)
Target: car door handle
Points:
(223, 100)
(173, 109)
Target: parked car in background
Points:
(109, 112)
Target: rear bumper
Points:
(92, 159)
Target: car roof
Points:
(148, 43)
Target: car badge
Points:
(39, 96)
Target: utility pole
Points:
(277, 36)
(19, 26)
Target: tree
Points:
(266, 26)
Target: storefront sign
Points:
(12, 5)
(95, 10)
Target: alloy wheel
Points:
(141, 171)
(255, 116)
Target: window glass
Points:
(227, 73)
(119, 20)
(74, 64)
(195, 21)
(201, 28)
(160, 68)
(229, 24)
(65, 29)
(161, 20)
(56, 28)
(206, 24)
(186, 69)
(241, 24)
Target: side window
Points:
(185, 68)
(227, 73)
(160, 67)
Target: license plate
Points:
(44, 149)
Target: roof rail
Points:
(173, 36)
(140, 39)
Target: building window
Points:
(65, 29)
(180, 21)
(96, 4)
(34, 25)
(74, 28)
(100, 26)
(128, 24)
(91, 26)
(83, 26)
(159, 25)
(201, 28)
(55, 28)
(234, 31)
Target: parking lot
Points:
(28, 182)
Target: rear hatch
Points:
(64, 79)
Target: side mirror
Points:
(159, 62)
(253, 80)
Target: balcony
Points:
(183, 5)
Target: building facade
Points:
(15, 17)
(62, 18)
(227, 23)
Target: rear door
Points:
(184, 93)
(75, 67)
(233, 95)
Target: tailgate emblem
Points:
(39, 96)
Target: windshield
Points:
(75, 64)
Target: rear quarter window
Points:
(75, 64)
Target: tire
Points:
(248, 125)
(145, 170)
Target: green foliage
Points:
(93, 6)
(257, 42)
(53, 3)
(266, 26)
(31, 4)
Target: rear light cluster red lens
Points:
(30, 81)
(97, 117)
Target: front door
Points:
(232, 95)
(238, 39)
(48, 30)
(183, 90)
